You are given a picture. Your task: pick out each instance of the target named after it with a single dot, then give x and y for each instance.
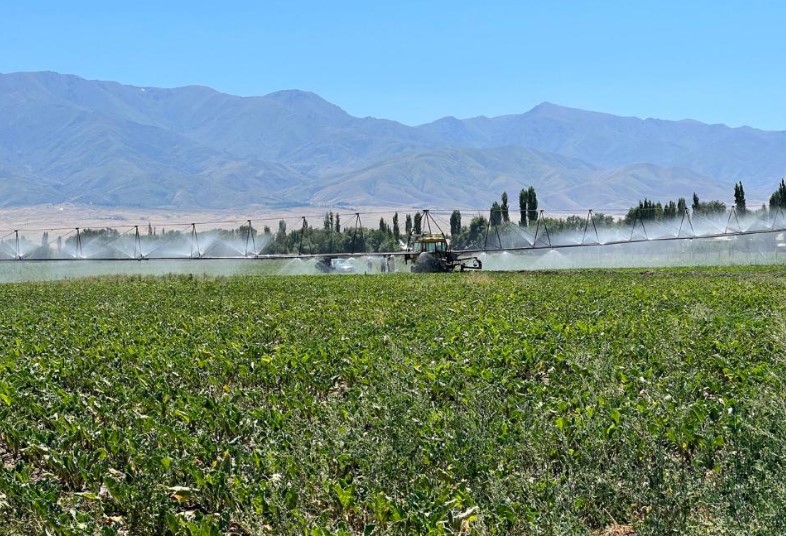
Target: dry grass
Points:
(615, 530)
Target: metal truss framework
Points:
(538, 239)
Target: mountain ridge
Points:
(63, 137)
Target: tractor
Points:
(432, 253)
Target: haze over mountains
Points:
(66, 139)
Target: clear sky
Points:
(415, 61)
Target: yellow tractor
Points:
(431, 253)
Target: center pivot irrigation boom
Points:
(431, 251)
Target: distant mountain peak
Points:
(299, 97)
(557, 111)
(309, 102)
(546, 105)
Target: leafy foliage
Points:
(506, 403)
(778, 197)
(739, 198)
(528, 206)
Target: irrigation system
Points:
(694, 238)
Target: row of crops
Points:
(539, 403)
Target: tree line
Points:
(475, 234)
(649, 210)
(334, 236)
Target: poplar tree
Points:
(523, 207)
(778, 197)
(495, 214)
(739, 198)
(504, 209)
(455, 223)
(532, 205)
(396, 231)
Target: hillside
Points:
(67, 139)
(717, 151)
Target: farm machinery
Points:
(431, 252)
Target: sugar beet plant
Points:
(562, 403)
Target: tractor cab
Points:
(431, 243)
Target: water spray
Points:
(195, 252)
(250, 237)
(542, 220)
(137, 244)
(733, 214)
(79, 254)
(686, 216)
(590, 241)
(637, 219)
(589, 220)
(486, 238)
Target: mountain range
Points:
(67, 139)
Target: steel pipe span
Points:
(196, 242)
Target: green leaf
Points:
(615, 415)
(560, 423)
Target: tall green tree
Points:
(532, 205)
(455, 223)
(408, 225)
(696, 206)
(523, 196)
(681, 205)
(647, 210)
(739, 198)
(396, 230)
(476, 232)
(495, 214)
(338, 223)
(504, 208)
(281, 237)
(418, 220)
(778, 197)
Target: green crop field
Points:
(590, 402)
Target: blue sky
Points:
(416, 61)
